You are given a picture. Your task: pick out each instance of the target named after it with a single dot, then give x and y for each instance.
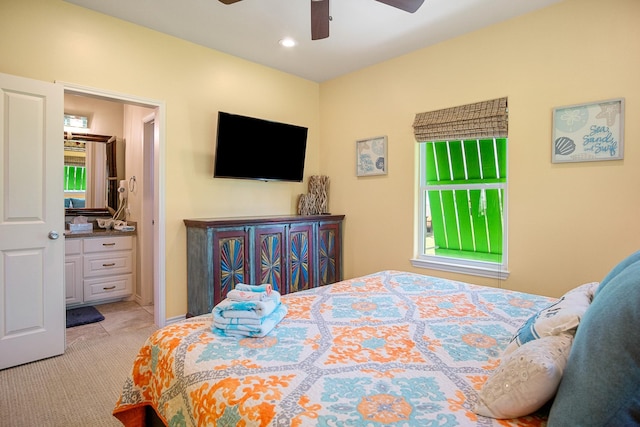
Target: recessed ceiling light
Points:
(287, 42)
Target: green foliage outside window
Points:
(75, 178)
(465, 184)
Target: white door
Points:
(32, 305)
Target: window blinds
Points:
(75, 161)
(487, 119)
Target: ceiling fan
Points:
(320, 13)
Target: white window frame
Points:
(450, 264)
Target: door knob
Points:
(53, 235)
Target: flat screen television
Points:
(250, 148)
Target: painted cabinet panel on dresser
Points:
(292, 253)
(269, 256)
(303, 253)
(231, 264)
(329, 251)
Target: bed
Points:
(391, 348)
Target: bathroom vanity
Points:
(99, 266)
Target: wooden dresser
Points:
(290, 252)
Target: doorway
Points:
(148, 191)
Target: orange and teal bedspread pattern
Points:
(388, 349)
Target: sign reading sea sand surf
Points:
(588, 132)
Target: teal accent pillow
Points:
(601, 383)
(618, 268)
(67, 202)
(77, 203)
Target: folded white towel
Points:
(242, 330)
(236, 295)
(247, 309)
(265, 287)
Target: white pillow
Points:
(525, 379)
(562, 316)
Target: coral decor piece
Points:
(306, 204)
(317, 200)
(319, 187)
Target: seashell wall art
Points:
(588, 132)
(565, 145)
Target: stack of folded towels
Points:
(249, 311)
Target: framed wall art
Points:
(371, 156)
(588, 132)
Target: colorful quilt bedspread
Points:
(388, 349)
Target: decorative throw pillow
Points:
(601, 385)
(526, 379)
(562, 316)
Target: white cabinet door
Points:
(73, 271)
(73, 280)
(32, 297)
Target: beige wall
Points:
(52, 40)
(568, 223)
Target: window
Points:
(76, 122)
(462, 192)
(75, 170)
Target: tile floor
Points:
(119, 317)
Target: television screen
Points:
(250, 148)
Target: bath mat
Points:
(83, 316)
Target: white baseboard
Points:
(175, 319)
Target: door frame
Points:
(159, 253)
(147, 211)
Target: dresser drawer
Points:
(106, 244)
(108, 287)
(107, 264)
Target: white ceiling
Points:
(362, 32)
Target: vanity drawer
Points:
(108, 263)
(108, 287)
(107, 244)
(72, 246)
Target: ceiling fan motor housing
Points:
(320, 13)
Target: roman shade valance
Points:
(487, 119)
(74, 161)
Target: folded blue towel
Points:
(247, 309)
(256, 331)
(218, 319)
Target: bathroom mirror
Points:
(90, 173)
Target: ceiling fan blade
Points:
(406, 5)
(229, 1)
(319, 19)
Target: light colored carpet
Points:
(76, 389)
